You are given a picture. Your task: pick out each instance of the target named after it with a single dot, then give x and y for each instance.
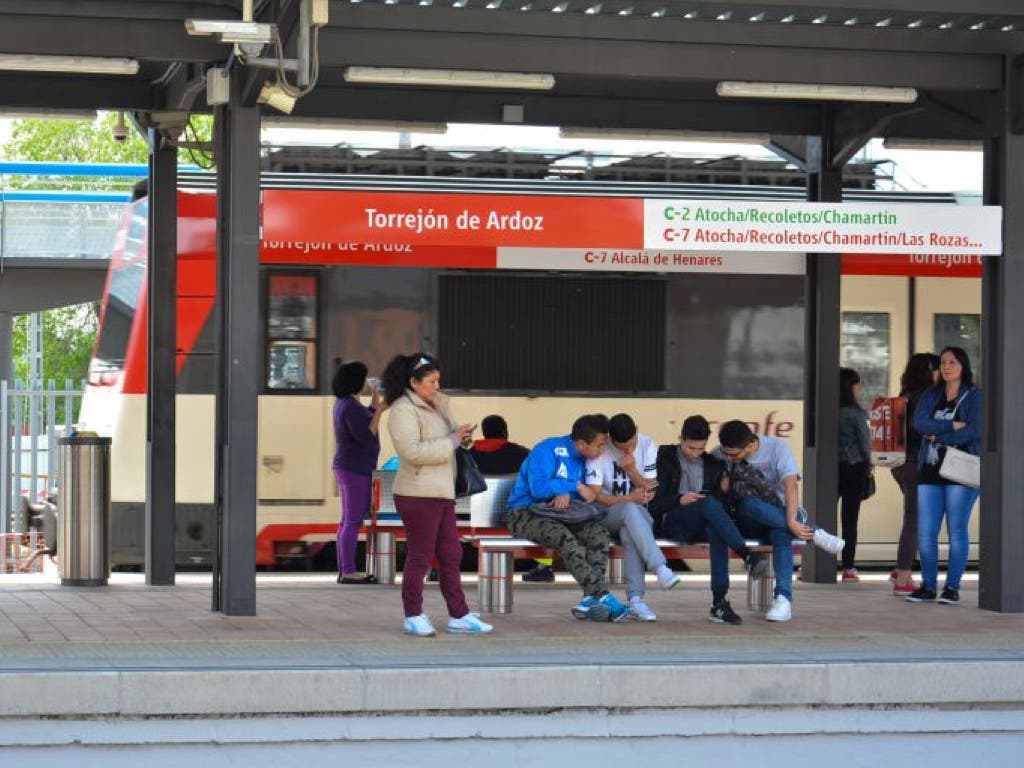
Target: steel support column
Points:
(6, 346)
(821, 367)
(160, 400)
(1001, 585)
(238, 378)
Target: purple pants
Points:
(355, 503)
(430, 531)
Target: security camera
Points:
(120, 130)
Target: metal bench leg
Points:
(495, 582)
(760, 591)
(380, 556)
(614, 572)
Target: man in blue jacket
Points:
(548, 506)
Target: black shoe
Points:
(354, 579)
(722, 613)
(949, 597)
(921, 595)
(540, 573)
(757, 566)
(432, 576)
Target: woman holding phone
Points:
(425, 436)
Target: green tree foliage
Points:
(68, 337)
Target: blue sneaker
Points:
(616, 610)
(590, 608)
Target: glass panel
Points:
(864, 346)
(960, 331)
(291, 365)
(291, 313)
(292, 331)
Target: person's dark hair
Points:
(395, 379)
(621, 427)
(967, 376)
(587, 428)
(494, 427)
(696, 428)
(349, 379)
(735, 434)
(918, 373)
(847, 379)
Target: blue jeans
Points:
(955, 502)
(707, 518)
(761, 520)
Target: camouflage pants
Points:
(582, 547)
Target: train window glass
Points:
(292, 331)
(865, 346)
(535, 332)
(736, 337)
(960, 331)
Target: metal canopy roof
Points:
(617, 63)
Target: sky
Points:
(916, 170)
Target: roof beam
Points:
(72, 92)
(627, 59)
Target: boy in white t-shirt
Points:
(623, 478)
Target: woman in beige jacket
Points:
(425, 437)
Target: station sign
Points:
(630, 224)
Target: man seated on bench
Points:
(690, 508)
(551, 506)
(623, 478)
(780, 522)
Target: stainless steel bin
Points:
(83, 502)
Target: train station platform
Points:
(331, 664)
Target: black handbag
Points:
(469, 480)
(869, 487)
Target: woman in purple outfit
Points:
(358, 446)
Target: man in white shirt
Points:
(623, 478)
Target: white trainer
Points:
(419, 626)
(470, 624)
(781, 610)
(826, 541)
(641, 611)
(666, 579)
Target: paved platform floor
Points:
(308, 621)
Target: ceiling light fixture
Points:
(331, 124)
(644, 134)
(813, 92)
(934, 145)
(95, 65)
(450, 78)
(231, 31)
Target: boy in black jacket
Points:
(690, 504)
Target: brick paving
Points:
(306, 620)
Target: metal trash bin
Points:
(83, 503)
(495, 582)
(761, 592)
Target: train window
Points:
(865, 346)
(535, 332)
(292, 331)
(960, 331)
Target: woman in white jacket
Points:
(425, 437)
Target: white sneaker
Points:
(469, 624)
(667, 579)
(419, 626)
(826, 541)
(641, 611)
(781, 610)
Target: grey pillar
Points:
(160, 401)
(6, 346)
(239, 370)
(821, 368)
(1001, 585)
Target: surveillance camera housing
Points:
(120, 133)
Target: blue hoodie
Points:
(553, 467)
(969, 411)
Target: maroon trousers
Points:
(430, 531)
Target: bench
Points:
(497, 555)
